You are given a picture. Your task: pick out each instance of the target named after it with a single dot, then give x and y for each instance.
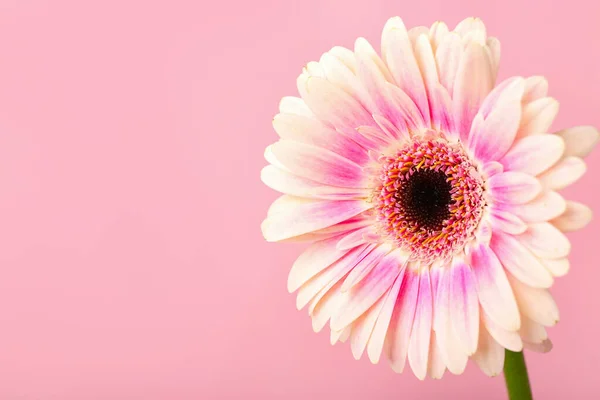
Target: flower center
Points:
(429, 199)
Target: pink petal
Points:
(575, 217)
(534, 154)
(474, 80)
(398, 54)
(538, 116)
(313, 260)
(535, 303)
(377, 341)
(406, 108)
(314, 289)
(363, 327)
(494, 291)
(311, 131)
(450, 348)
(355, 238)
(580, 140)
(292, 216)
(318, 164)
(418, 349)
(563, 174)
(507, 222)
(288, 183)
(543, 347)
(397, 341)
(492, 168)
(492, 139)
(362, 296)
(464, 306)
(498, 93)
(365, 266)
(519, 261)
(513, 187)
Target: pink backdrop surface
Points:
(131, 141)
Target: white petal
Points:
(575, 217)
(295, 106)
(538, 116)
(507, 339)
(532, 332)
(557, 267)
(363, 328)
(580, 140)
(535, 303)
(398, 54)
(519, 261)
(536, 87)
(448, 55)
(563, 174)
(543, 208)
(507, 222)
(490, 355)
(474, 80)
(545, 241)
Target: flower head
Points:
(430, 198)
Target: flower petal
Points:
(494, 291)
(377, 341)
(507, 222)
(513, 187)
(507, 339)
(313, 260)
(538, 116)
(575, 217)
(492, 139)
(311, 131)
(557, 267)
(535, 303)
(545, 241)
(448, 55)
(364, 267)
(397, 341)
(536, 87)
(579, 140)
(490, 355)
(362, 296)
(450, 348)
(291, 216)
(474, 80)
(545, 207)
(519, 261)
(363, 327)
(534, 154)
(318, 164)
(532, 332)
(287, 183)
(563, 174)
(464, 305)
(418, 349)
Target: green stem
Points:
(515, 375)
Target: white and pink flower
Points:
(430, 196)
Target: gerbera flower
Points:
(430, 196)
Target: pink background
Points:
(131, 138)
